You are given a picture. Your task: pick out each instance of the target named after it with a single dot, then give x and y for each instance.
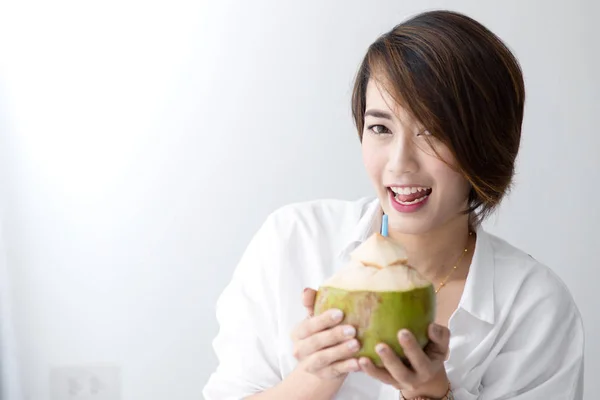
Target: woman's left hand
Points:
(427, 377)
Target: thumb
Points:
(308, 300)
(439, 342)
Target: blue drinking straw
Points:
(384, 225)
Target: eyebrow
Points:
(378, 114)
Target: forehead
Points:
(378, 97)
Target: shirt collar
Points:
(368, 223)
(478, 294)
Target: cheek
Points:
(373, 160)
(453, 184)
(448, 178)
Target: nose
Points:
(402, 156)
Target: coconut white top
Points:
(379, 251)
(377, 265)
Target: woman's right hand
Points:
(322, 346)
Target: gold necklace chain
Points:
(455, 267)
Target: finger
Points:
(308, 300)
(419, 361)
(375, 372)
(439, 336)
(325, 358)
(394, 365)
(324, 339)
(340, 368)
(310, 326)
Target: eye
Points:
(379, 129)
(424, 132)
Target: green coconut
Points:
(380, 294)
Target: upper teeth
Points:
(408, 190)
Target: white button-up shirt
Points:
(516, 334)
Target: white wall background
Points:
(142, 144)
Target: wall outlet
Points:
(85, 382)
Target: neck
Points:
(434, 253)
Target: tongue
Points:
(405, 198)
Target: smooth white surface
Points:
(146, 143)
(10, 382)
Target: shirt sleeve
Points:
(245, 345)
(543, 354)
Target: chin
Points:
(419, 222)
(410, 226)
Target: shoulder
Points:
(318, 216)
(303, 240)
(536, 343)
(298, 234)
(525, 285)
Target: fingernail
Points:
(353, 345)
(349, 331)
(337, 315)
(380, 348)
(363, 362)
(437, 330)
(404, 334)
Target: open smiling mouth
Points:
(410, 195)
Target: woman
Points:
(438, 103)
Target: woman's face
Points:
(419, 191)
